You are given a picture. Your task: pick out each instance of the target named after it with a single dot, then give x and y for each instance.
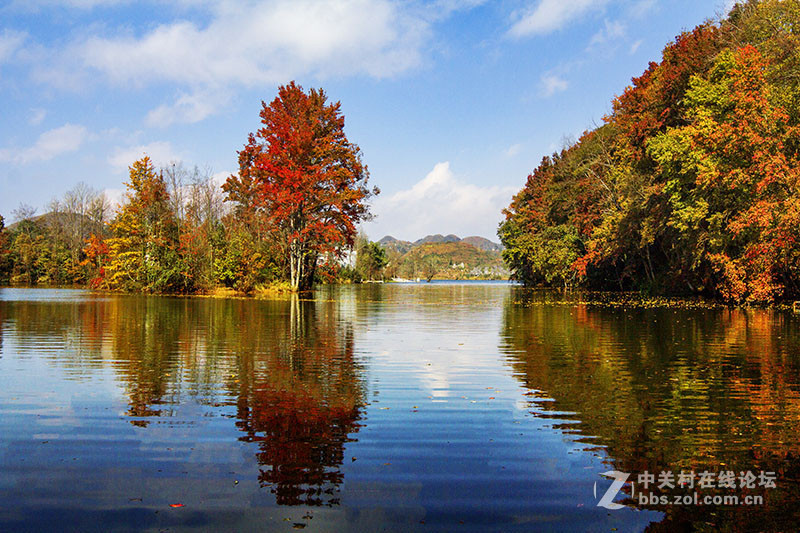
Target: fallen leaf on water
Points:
(176, 505)
(491, 397)
(298, 526)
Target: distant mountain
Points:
(445, 257)
(82, 225)
(483, 244)
(392, 244)
(437, 238)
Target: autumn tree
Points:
(304, 178)
(250, 254)
(691, 185)
(144, 252)
(733, 182)
(95, 259)
(29, 252)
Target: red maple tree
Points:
(305, 179)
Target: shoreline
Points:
(527, 296)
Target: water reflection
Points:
(112, 408)
(285, 370)
(300, 401)
(670, 389)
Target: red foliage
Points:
(96, 251)
(652, 103)
(303, 177)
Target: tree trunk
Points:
(298, 270)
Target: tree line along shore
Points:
(286, 221)
(691, 185)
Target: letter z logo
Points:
(607, 500)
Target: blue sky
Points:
(453, 102)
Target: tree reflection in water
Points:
(286, 368)
(669, 389)
(301, 405)
(287, 365)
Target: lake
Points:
(395, 407)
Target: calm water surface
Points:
(433, 407)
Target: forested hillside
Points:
(443, 257)
(690, 185)
(448, 260)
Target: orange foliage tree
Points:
(307, 180)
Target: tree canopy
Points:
(691, 185)
(304, 179)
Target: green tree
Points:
(370, 259)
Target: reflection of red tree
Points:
(299, 401)
(301, 441)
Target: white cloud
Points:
(187, 108)
(161, 153)
(52, 143)
(37, 116)
(10, 42)
(635, 46)
(643, 8)
(221, 177)
(268, 41)
(727, 5)
(552, 15)
(35, 5)
(221, 45)
(512, 150)
(552, 84)
(440, 203)
(114, 196)
(612, 32)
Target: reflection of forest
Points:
(286, 366)
(670, 389)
